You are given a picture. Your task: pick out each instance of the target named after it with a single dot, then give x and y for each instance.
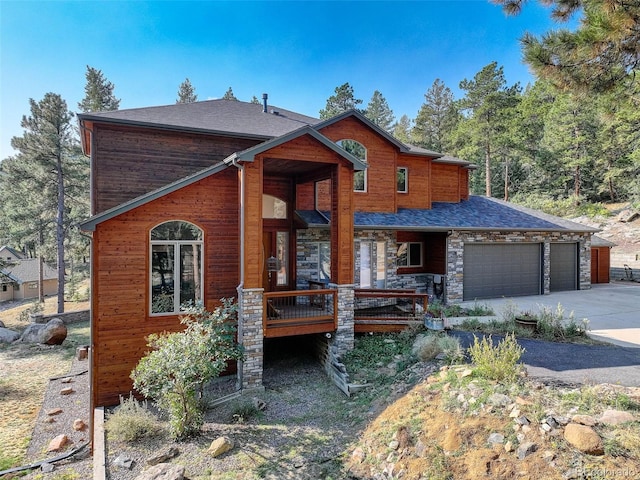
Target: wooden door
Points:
(276, 244)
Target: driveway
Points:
(613, 309)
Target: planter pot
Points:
(528, 323)
(434, 323)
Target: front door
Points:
(277, 264)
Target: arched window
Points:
(176, 266)
(359, 151)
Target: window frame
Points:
(364, 160)
(406, 180)
(409, 265)
(177, 245)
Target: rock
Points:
(515, 413)
(164, 456)
(587, 420)
(8, 336)
(499, 400)
(523, 401)
(584, 439)
(627, 215)
(82, 353)
(358, 455)
(616, 417)
(67, 391)
(2, 325)
(259, 404)
(552, 422)
(219, 446)
(53, 332)
(66, 380)
(79, 425)
(47, 467)
(123, 461)
(522, 420)
(421, 449)
(467, 372)
(58, 443)
(508, 447)
(162, 471)
(394, 444)
(548, 455)
(526, 449)
(496, 438)
(54, 411)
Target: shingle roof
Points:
(12, 251)
(27, 270)
(477, 213)
(597, 241)
(212, 116)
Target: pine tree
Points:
(98, 93)
(229, 95)
(402, 129)
(49, 175)
(436, 118)
(342, 101)
(255, 100)
(186, 92)
(378, 112)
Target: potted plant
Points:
(527, 320)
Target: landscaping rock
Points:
(54, 332)
(584, 439)
(358, 455)
(8, 336)
(587, 420)
(123, 461)
(164, 456)
(79, 425)
(220, 446)
(496, 438)
(499, 400)
(67, 391)
(163, 471)
(526, 449)
(58, 443)
(616, 417)
(54, 411)
(47, 467)
(259, 404)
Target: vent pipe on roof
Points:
(264, 102)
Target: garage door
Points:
(497, 270)
(563, 264)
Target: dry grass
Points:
(26, 370)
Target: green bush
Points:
(174, 372)
(132, 421)
(498, 362)
(427, 347)
(552, 325)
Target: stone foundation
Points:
(251, 337)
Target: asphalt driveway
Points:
(574, 363)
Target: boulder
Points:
(219, 446)
(163, 456)
(587, 420)
(8, 336)
(584, 439)
(162, 471)
(616, 417)
(525, 449)
(58, 443)
(53, 332)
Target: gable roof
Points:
(28, 270)
(477, 213)
(15, 253)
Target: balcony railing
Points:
(388, 310)
(300, 312)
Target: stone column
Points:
(344, 338)
(251, 337)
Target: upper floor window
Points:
(176, 266)
(402, 175)
(359, 151)
(409, 254)
(273, 207)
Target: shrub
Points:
(499, 362)
(33, 309)
(179, 364)
(428, 347)
(553, 325)
(132, 421)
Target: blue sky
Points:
(297, 52)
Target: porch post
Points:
(250, 336)
(344, 338)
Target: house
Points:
(19, 279)
(600, 259)
(306, 222)
(8, 254)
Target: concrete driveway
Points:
(613, 309)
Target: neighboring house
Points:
(19, 280)
(8, 254)
(200, 201)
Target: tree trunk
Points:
(487, 169)
(60, 235)
(506, 180)
(41, 268)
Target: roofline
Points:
(445, 229)
(355, 113)
(89, 225)
(249, 154)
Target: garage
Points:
(497, 270)
(563, 262)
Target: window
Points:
(403, 186)
(359, 151)
(324, 262)
(176, 266)
(381, 265)
(273, 207)
(365, 264)
(4, 288)
(373, 265)
(33, 286)
(409, 254)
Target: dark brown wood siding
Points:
(120, 289)
(445, 183)
(600, 264)
(418, 182)
(129, 162)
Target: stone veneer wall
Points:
(251, 337)
(344, 338)
(457, 240)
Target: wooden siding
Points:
(120, 288)
(381, 158)
(342, 225)
(600, 264)
(418, 195)
(446, 183)
(435, 253)
(128, 162)
(464, 184)
(404, 236)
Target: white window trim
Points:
(409, 256)
(406, 180)
(364, 189)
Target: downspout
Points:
(240, 286)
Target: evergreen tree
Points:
(602, 53)
(98, 93)
(255, 100)
(378, 112)
(402, 129)
(228, 95)
(342, 101)
(49, 176)
(436, 118)
(186, 92)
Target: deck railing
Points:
(300, 312)
(384, 310)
